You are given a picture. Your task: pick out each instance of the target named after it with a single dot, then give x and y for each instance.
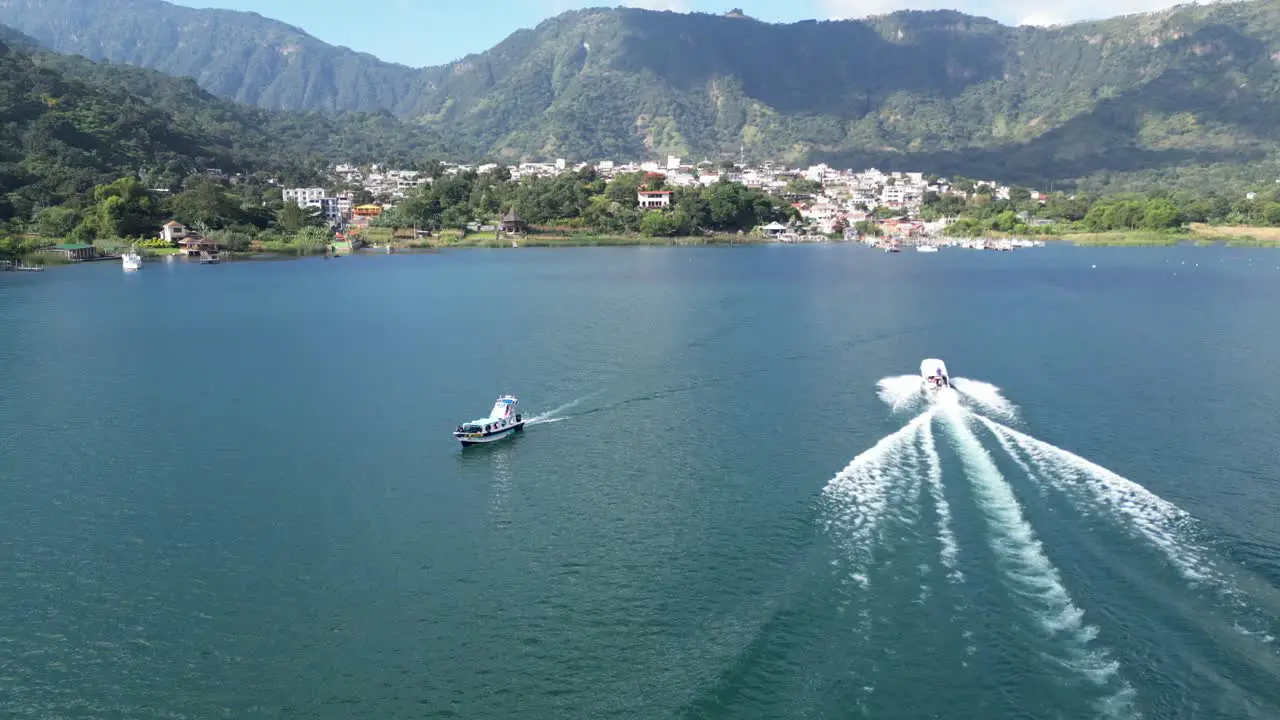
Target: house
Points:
(75, 251)
(193, 245)
(511, 222)
(303, 196)
(654, 199)
(773, 229)
(173, 231)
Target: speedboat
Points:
(503, 421)
(131, 260)
(926, 248)
(933, 374)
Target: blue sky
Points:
(432, 32)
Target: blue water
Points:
(231, 491)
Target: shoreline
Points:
(1235, 237)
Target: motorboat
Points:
(933, 374)
(131, 260)
(503, 421)
(926, 248)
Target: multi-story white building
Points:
(333, 208)
(302, 196)
(654, 199)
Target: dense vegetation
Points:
(1183, 97)
(251, 211)
(126, 212)
(1060, 213)
(68, 125)
(583, 201)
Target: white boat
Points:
(926, 248)
(933, 374)
(131, 260)
(503, 421)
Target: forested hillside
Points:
(68, 124)
(241, 56)
(1187, 96)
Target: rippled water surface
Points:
(231, 491)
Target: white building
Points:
(654, 199)
(302, 196)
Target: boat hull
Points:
(469, 439)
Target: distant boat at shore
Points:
(131, 260)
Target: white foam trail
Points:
(986, 397)
(550, 416)
(911, 471)
(1030, 573)
(947, 538)
(1154, 518)
(900, 392)
(859, 495)
(1008, 447)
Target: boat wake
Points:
(881, 487)
(905, 393)
(555, 415)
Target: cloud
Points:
(1014, 12)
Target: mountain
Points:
(67, 124)
(241, 56)
(1190, 92)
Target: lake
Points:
(232, 490)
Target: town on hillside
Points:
(828, 201)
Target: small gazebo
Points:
(774, 229)
(511, 222)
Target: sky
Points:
(434, 32)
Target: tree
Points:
(802, 186)
(231, 240)
(659, 224)
(964, 227)
(291, 217)
(56, 222)
(1005, 222)
(1161, 214)
(204, 201)
(10, 248)
(624, 187)
(124, 208)
(865, 227)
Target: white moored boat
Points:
(933, 374)
(131, 260)
(503, 421)
(926, 248)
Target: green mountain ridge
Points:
(68, 124)
(1188, 94)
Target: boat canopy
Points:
(504, 407)
(933, 368)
